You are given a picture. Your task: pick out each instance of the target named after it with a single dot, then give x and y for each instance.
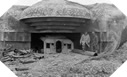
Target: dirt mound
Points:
(65, 65)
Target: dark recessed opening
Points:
(58, 47)
(37, 43)
(69, 46)
(47, 45)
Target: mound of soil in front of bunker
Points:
(63, 65)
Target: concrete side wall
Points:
(17, 45)
(19, 40)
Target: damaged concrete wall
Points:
(13, 32)
(20, 40)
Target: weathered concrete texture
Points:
(18, 40)
(15, 36)
(9, 21)
(56, 8)
(14, 44)
(13, 31)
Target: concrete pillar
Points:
(44, 47)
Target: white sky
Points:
(86, 2)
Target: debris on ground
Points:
(27, 64)
(62, 65)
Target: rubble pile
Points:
(17, 59)
(11, 54)
(27, 64)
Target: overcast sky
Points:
(86, 2)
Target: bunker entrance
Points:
(38, 45)
(58, 47)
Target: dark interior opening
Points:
(37, 43)
(47, 45)
(58, 47)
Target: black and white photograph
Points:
(63, 38)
